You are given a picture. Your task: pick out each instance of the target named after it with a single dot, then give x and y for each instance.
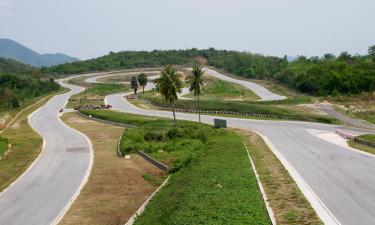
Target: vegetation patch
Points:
(214, 183)
(368, 137)
(95, 94)
(3, 145)
(26, 146)
(361, 147)
(20, 83)
(218, 89)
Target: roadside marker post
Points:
(218, 123)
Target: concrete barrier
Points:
(153, 161)
(345, 135)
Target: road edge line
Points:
(271, 214)
(317, 204)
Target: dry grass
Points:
(26, 146)
(116, 187)
(286, 200)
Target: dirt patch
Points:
(116, 187)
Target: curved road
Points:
(41, 195)
(259, 90)
(338, 181)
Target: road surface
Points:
(41, 194)
(348, 120)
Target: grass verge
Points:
(26, 146)
(214, 185)
(116, 187)
(95, 94)
(285, 198)
(218, 89)
(284, 109)
(362, 147)
(3, 145)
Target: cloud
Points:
(5, 8)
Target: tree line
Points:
(19, 82)
(321, 76)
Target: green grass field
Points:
(368, 137)
(217, 89)
(284, 109)
(212, 182)
(3, 145)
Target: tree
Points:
(168, 85)
(134, 84)
(371, 52)
(197, 83)
(142, 80)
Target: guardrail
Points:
(226, 113)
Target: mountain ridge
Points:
(13, 50)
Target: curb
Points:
(271, 214)
(106, 121)
(143, 207)
(153, 161)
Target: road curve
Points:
(41, 195)
(338, 181)
(259, 90)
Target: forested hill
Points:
(328, 75)
(19, 82)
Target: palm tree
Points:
(142, 80)
(197, 83)
(168, 85)
(134, 84)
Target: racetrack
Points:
(338, 181)
(41, 195)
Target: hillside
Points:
(319, 76)
(19, 82)
(13, 50)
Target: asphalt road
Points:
(347, 119)
(41, 194)
(339, 181)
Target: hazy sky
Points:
(91, 28)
